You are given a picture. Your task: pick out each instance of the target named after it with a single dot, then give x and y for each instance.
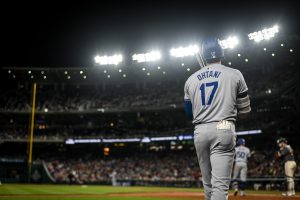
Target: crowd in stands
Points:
(151, 167)
(80, 100)
(170, 94)
(139, 167)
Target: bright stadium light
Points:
(147, 57)
(109, 60)
(229, 43)
(184, 51)
(264, 34)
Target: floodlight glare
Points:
(184, 51)
(229, 43)
(147, 57)
(264, 34)
(109, 60)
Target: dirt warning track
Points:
(179, 195)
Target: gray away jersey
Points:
(213, 92)
(242, 154)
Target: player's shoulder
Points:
(230, 70)
(192, 77)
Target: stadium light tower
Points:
(109, 60)
(229, 43)
(147, 57)
(184, 51)
(264, 34)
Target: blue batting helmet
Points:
(211, 49)
(241, 141)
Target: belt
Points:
(198, 123)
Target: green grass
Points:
(78, 189)
(25, 191)
(76, 192)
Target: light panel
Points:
(184, 51)
(264, 34)
(109, 60)
(147, 57)
(229, 43)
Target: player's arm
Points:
(243, 100)
(282, 152)
(188, 108)
(187, 102)
(243, 103)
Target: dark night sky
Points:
(65, 35)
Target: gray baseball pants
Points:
(215, 147)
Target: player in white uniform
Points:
(213, 97)
(239, 178)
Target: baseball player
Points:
(286, 153)
(213, 96)
(242, 153)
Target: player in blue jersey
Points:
(213, 96)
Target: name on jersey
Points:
(208, 74)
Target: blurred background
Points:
(109, 89)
